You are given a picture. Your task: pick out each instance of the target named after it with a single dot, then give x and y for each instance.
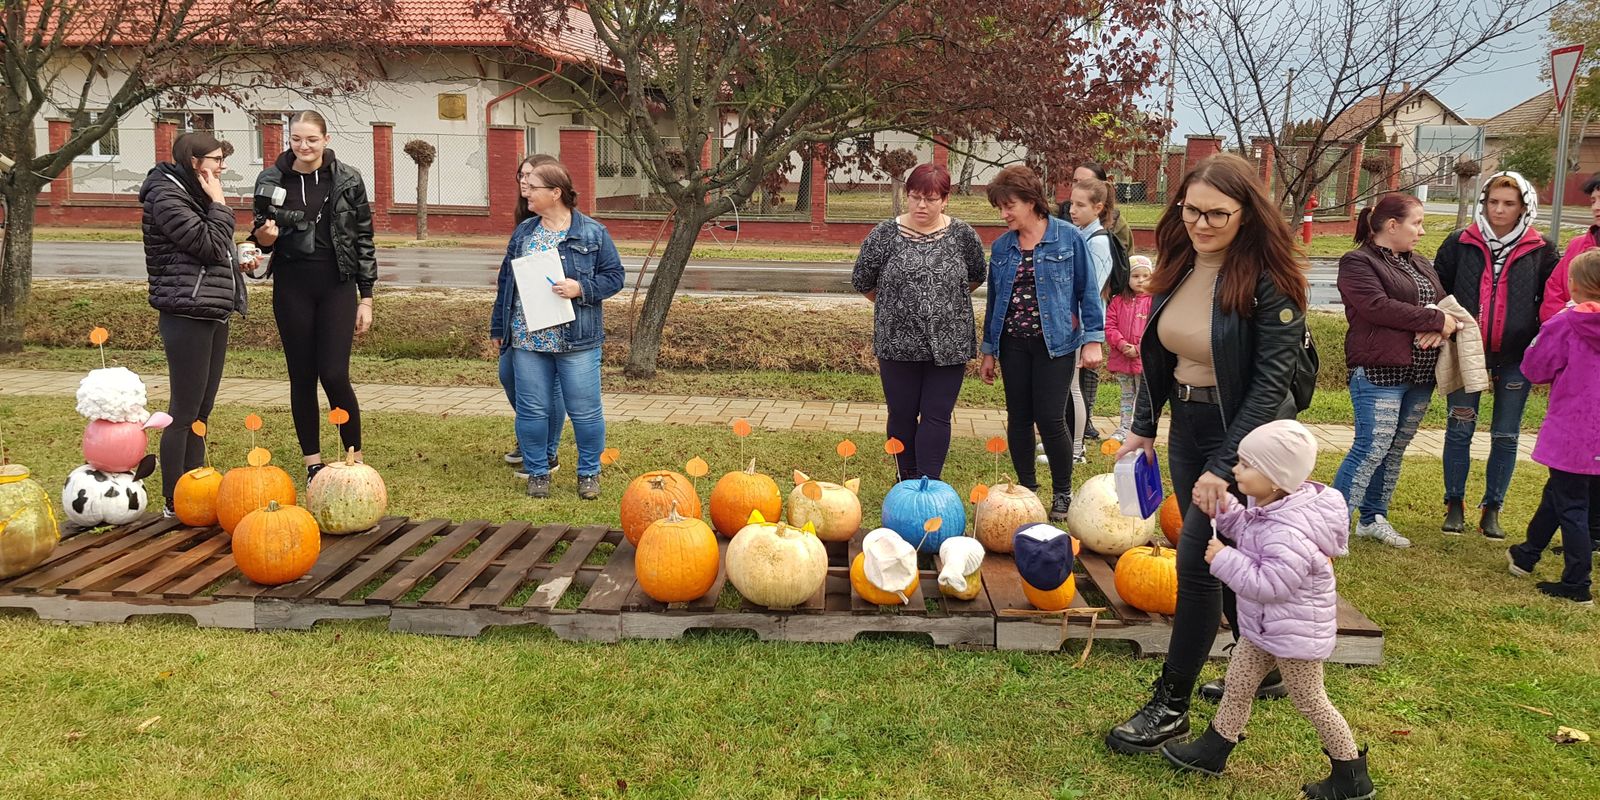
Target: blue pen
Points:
(550, 279)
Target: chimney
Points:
(1405, 88)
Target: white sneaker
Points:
(1381, 530)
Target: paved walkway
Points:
(796, 415)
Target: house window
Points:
(530, 140)
(108, 146)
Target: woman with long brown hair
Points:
(1223, 346)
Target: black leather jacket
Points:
(1255, 359)
(351, 225)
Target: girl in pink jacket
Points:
(1125, 321)
(1279, 567)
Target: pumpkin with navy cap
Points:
(1043, 555)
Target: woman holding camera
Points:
(320, 238)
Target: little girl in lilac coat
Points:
(1279, 568)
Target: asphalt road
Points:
(474, 268)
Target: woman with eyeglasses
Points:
(323, 266)
(919, 270)
(1221, 350)
(195, 286)
(563, 357)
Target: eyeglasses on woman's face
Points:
(1215, 217)
(221, 160)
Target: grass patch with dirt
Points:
(1479, 670)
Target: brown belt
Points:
(1197, 394)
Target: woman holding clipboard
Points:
(552, 326)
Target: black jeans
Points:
(921, 396)
(1037, 388)
(316, 314)
(1571, 502)
(195, 349)
(1197, 432)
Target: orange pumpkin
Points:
(276, 544)
(246, 489)
(739, 493)
(653, 496)
(872, 594)
(1171, 519)
(1056, 599)
(1147, 578)
(677, 559)
(194, 499)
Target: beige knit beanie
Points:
(1283, 450)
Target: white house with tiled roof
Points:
(1537, 115)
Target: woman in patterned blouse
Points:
(919, 270)
(1391, 347)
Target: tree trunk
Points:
(969, 169)
(422, 202)
(895, 185)
(16, 273)
(802, 193)
(645, 348)
(1461, 203)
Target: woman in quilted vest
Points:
(195, 286)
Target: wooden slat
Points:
(152, 550)
(175, 566)
(1101, 570)
(1354, 623)
(463, 574)
(977, 606)
(89, 558)
(559, 577)
(197, 582)
(380, 561)
(73, 545)
(505, 583)
(335, 558)
(414, 573)
(1004, 585)
(613, 585)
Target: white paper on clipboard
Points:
(534, 273)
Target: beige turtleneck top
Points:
(1185, 326)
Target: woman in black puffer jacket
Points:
(194, 284)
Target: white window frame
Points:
(93, 154)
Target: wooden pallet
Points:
(458, 579)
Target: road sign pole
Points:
(1564, 73)
(1560, 188)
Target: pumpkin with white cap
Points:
(885, 571)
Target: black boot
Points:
(1271, 688)
(1207, 754)
(1347, 781)
(1490, 525)
(1165, 717)
(1454, 517)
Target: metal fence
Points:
(459, 175)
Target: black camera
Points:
(269, 205)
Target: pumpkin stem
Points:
(350, 457)
(1155, 544)
(272, 505)
(673, 515)
(751, 470)
(924, 485)
(659, 483)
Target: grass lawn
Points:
(351, 711)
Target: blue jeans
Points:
(575, 376)
(1386, 420)
(558, 410)
(1510, 396)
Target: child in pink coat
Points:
(1125, 321)
(1279, 567)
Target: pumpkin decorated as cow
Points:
(834, 511)
(775, 565)
(93, 497)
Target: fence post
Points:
(382, 173)
(1175, 173)
(1266, 161)
(1199, 147)
(1392, 179)
(578, 144)
(271, 126)
(819, 185)
(1352, 191)
(506, 143)
(60, 130)
(166, 134)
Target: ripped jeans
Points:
(1387, 418)
(1510, 396)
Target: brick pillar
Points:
(505, 152)
(166, 132)
(1392, 180)
(819, 185)
(705, 154)
(1175, 173)
(1198, 148)
(272, 146)
(1146, 170)
(383, 173)
(61, 187)
(1352, 190)
(1267, 161)
(941, 154)
(578, 154)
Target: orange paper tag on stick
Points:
(98, 336)
(697, 467)
(996, 445)
(741, 428)
(932, 524)
(338, 416)
(258, 457)
(199, 428)
(812, 490)
(252, 423)
(979, 494)
(845, 449)
(894, 446)
(609, 456)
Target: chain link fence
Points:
(459, 175)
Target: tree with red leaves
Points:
(1060, 77)
(66, 57)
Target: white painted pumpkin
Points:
(347, 496)
(1096, 519)
(775, 565)
(92, 498)
(961, 563)
(1006, 508)
(835, 515)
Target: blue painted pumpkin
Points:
(910, 504)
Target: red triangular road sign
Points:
(1564, 72)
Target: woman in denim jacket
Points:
(567, 356)
(1043, 320)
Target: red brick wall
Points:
(1199, 148)
(166, 133)
(578, 154)
(1268, 162)
(505, 152)
(1392, 180)
(60, 130)
(271, 139)
(383, 175)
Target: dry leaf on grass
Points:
(147, 724)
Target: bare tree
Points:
(95, 61)
(422, 152)
(1248, 66)
(896, 163)
(1466, 171)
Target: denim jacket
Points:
(1069, 302)
(588, 256)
